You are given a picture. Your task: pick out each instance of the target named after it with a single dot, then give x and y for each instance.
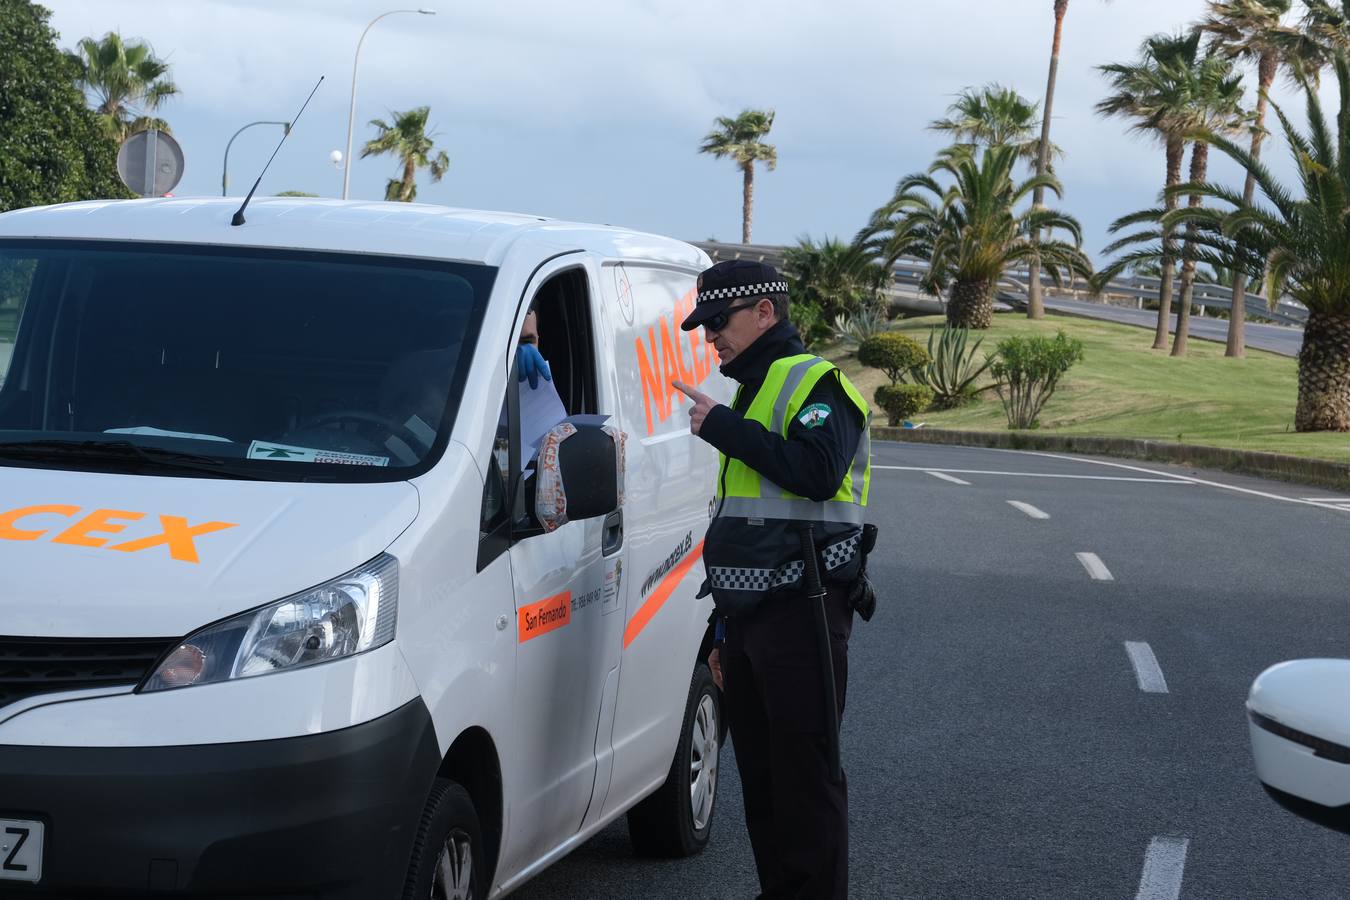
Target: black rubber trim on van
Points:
(328, 816)
(1322, 748)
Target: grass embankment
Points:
(1124, 389)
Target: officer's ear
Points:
(766, 312)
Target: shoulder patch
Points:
(814, 415)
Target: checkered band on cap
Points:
(743, 290)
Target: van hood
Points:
(110, 555)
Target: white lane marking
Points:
(946, 477)
(1146, 669)
(1164, 868)
(1095, 567)
(1167, 480)
(1028, 509)
(1115, 465)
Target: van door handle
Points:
(613, 532)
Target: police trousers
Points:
(796, 815)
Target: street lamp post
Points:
(225, 167)
(351, 114)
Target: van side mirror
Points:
(579, 473)
(1299, 720)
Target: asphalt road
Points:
(1276, 338)
(998, 743)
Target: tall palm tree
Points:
(1154, 94)
(1035, 305)
(1305, 241)
(971, 230)
(408, 140)
(1215, 108)
(127, 81)
(993, 115)
(741, 139)
(1253, 30)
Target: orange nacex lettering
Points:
(175, 532)
(656, 370)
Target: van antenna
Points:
(239, 214)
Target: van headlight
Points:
(348, 615)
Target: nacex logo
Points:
(33, 523)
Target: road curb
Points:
(1322, 473)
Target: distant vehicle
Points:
(1299, 719)
(290, 607)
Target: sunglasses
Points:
(719, 321)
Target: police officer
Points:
(793, 448)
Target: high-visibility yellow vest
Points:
(753, 544)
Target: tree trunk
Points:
(1237, 339)
(409, 180)
(971, 304)
(1199, 168)
(1035, 303)
(1176, 151)
(747, 200)
(1324, 374)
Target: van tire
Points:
(664, 825)
(449, 825)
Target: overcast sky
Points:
(593, 110)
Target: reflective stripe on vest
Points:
(744, 492)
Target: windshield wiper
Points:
(51, 450)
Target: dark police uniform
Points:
(777, 472)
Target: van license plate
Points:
(20, 850)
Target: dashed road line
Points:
(945, 477)
(1095, 567)
(1164, 868)
(930, 471)
(1146, 669)
(1028, 509)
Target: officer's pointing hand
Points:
(703, 404)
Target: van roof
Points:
(355, 226)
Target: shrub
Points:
(1028, 370)
(895, 354)
(809, 320)
(952, 373)
(902, 401)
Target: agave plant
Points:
(952, 371)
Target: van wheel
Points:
(447, 856)
(677, 819)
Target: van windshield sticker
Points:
(288, 453)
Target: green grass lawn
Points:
(1122, 388)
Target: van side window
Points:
(16, 278)
(567, 339)
(494, 487)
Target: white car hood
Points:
(281, 538)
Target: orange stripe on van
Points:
(659, 596)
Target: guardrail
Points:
(909, 272)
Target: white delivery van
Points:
(291, 607)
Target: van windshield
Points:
(234, 363)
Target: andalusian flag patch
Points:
(814, 415)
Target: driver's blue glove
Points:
(531, 364)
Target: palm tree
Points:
(407, 139)
(1154, 93)
(971, 230)
(127, 82)
(1253, 30)
(993, 115)
(741, 139)
(1216, 108)
(1305, 242)
(838, 278)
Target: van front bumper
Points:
(330, 815)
